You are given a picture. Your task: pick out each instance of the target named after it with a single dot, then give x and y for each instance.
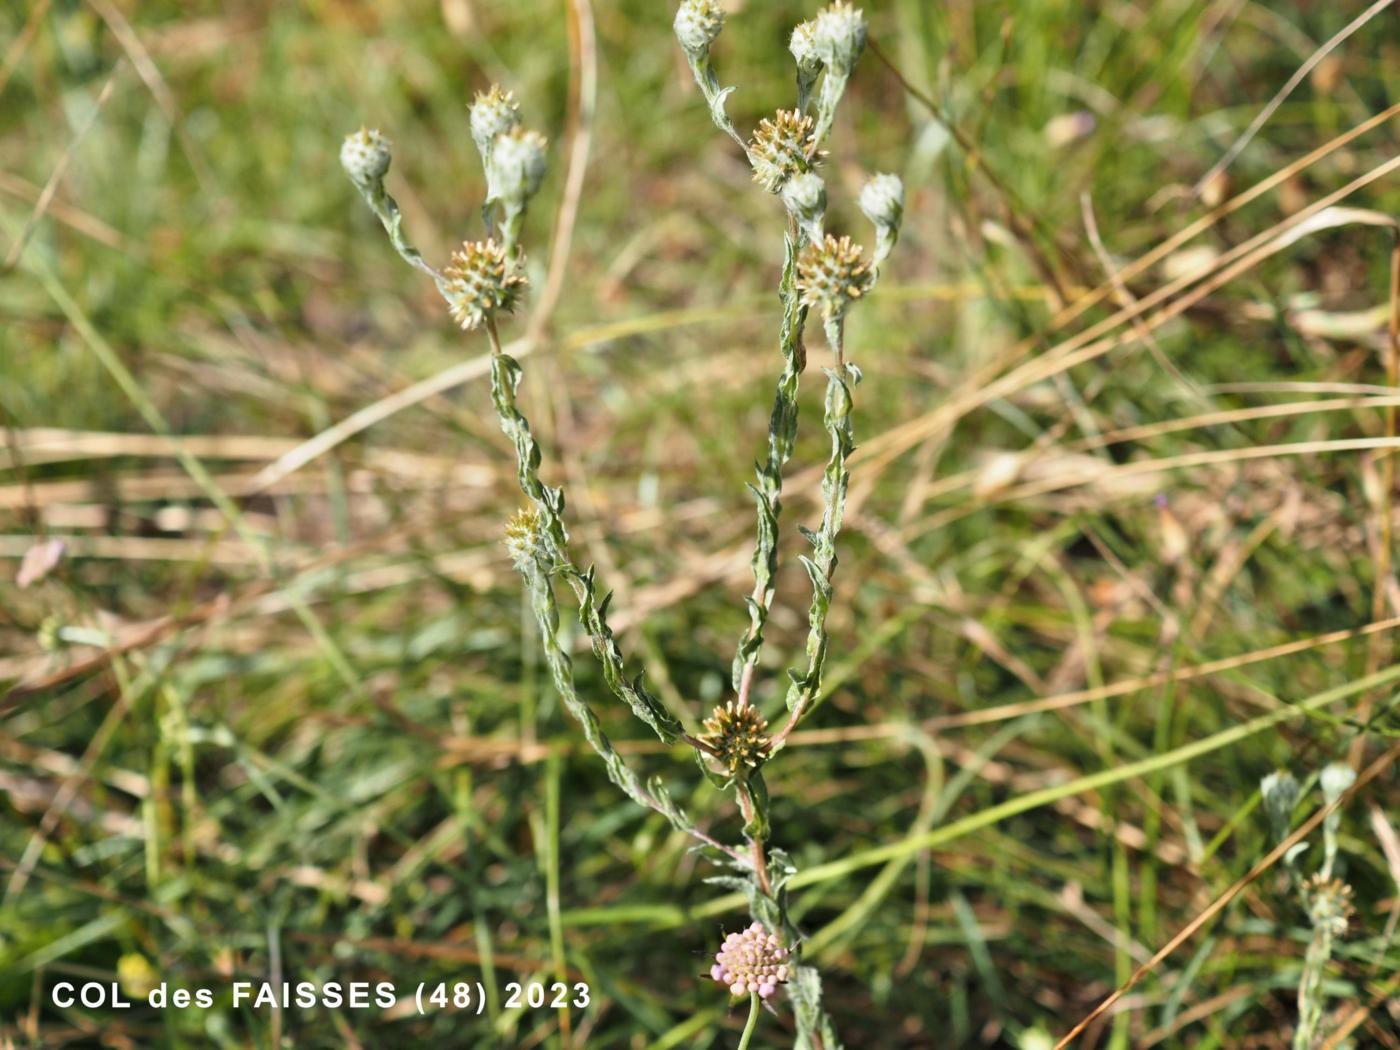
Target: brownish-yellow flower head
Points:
(739, 736)
(831, 274)
(781, 148)
(479, 281)
(525, 536)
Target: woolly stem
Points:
(1310, 1000)
(715, 95)
(653, 795)
(821, 567)
(833, 87)
(593, 609)
(387, 211)
(768, 490)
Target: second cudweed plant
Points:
(1325, 899)
(822, 273)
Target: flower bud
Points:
(805, 198)
(492, 113)
(1280, 791)
(882, 201)
(365, 157)
(697, 26)
(803, 46)
(517, 164)
(1335, 779)
(839, 35)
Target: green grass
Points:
(327, 747)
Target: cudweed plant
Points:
(484, 280)
(1324, 898)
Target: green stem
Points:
(752, 1023)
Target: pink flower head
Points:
(751, 962)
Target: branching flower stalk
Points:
(485, 279)
(826, 274)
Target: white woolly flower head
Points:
(517, 164)
(492, 113)
(1280, 791)
(365, 157)
(882, 201)
(804, 195)
(803, 46)
(479, 282)
(697, 25)
(1335, 779)
(839, 33)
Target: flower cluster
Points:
(479, 281)
(782, 148)
(739, 736)
(751, 962)
(1329, 904)
(831, 274)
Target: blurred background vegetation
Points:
(267, 725)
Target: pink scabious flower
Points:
(751, 962)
